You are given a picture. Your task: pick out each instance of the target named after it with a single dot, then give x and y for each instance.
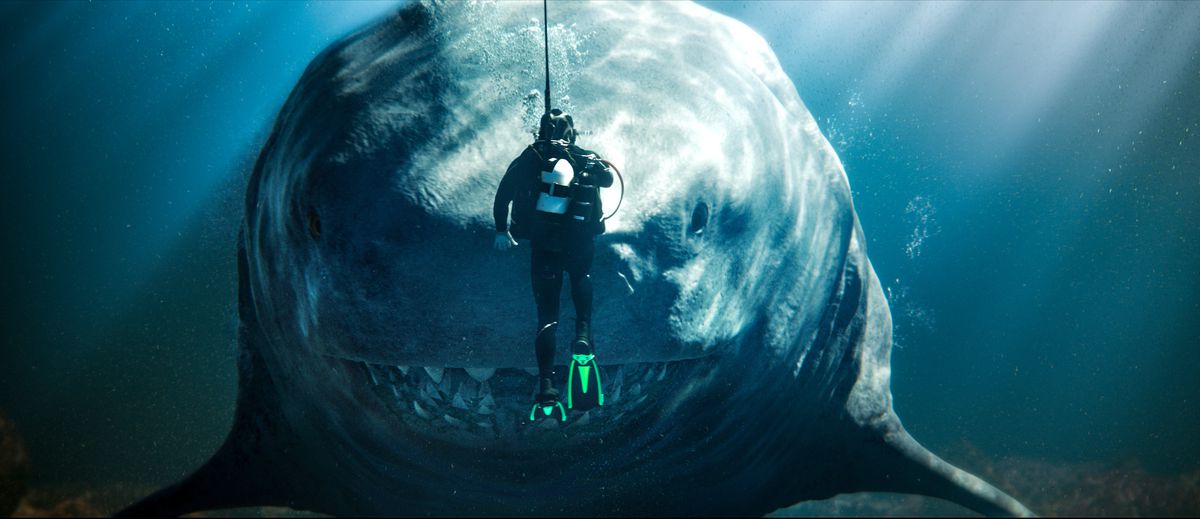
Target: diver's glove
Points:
(504, 240)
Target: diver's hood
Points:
(557, 126)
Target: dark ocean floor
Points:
(1048, 488)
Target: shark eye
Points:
(314, 223)
(699, 218)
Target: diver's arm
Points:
(504, 195)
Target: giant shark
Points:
(385, 350)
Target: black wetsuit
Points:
(559, 244)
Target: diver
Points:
(554, 187)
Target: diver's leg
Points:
(546, 275)
(580, 267)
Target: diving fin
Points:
(583, 383)
(547, 404)
(548, 409)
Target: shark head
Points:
(387, 350)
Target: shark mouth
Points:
(483, 405)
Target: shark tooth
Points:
(420, 410)
(459, 402)
(435, 373)
(371, 372)
(427, 393)
(469, 389)
(444, 385)
(648, 372)
(486, 404)
(481, 374)
(583, 420)
(454, 421)
(403, 370)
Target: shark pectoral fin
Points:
(244, 470)
(215, 485)
(906, 466)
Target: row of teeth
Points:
(480, 375)
(487, 399)
(436, 374)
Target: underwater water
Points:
(1026, 176)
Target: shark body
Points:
(385, 351)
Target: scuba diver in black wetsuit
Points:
(554, 187)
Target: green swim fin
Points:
(584, 390)
(549, 409)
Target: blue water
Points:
(1027, 175)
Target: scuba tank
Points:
(555, 196)
(581, 208)
(585, 195)
(564, 191)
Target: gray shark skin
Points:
(386, 350)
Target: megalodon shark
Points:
(386, 360)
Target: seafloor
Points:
(1048, 488)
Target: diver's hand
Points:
(505, 241)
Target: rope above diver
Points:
(546, 36)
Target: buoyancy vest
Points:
(567, 203)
